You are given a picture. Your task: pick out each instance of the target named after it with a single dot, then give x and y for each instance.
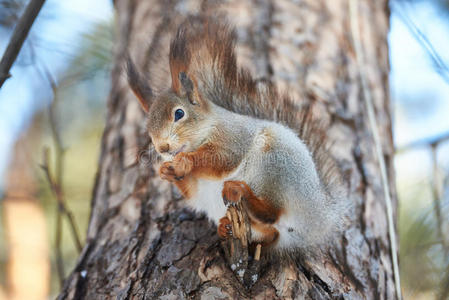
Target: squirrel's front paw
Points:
(167, 172)
(224, 229)
(233, 192)
(175, 170)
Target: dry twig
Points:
(55, 186)
(237, 248)
(18, 37)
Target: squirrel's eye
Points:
(179, 113)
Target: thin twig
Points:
(60, 151)
(360, 60)
(58, 229)
(430, 141)
(437, 191)
(58, 242)
(440, 66)
(59, 195)
(18, 37)
(445, 284)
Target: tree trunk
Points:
(143, 243)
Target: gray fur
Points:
(286, 175)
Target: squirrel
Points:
(226, 138)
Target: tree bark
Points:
(143, 244)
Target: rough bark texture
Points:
(142, 243)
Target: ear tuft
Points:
(139, 85)
(186, 83)
(190, 88)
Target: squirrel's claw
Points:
(228, 203)
(232, 193)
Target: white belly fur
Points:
(208, 199)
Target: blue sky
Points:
(412, 76)
(55, 35)
(62, 22)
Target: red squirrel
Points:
(226, 138)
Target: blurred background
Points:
(52, 114)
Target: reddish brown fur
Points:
(260, 209)
(206, 162)
(224, 228)
(177, 67)
(186, 167)
(268, 140)
(187, 185)
(269, 234)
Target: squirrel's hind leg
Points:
(260, 209)
(262, 213)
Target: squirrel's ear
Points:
(139, 85)
(190, 88)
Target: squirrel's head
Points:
(177, 118)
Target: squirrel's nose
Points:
(164, 148)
